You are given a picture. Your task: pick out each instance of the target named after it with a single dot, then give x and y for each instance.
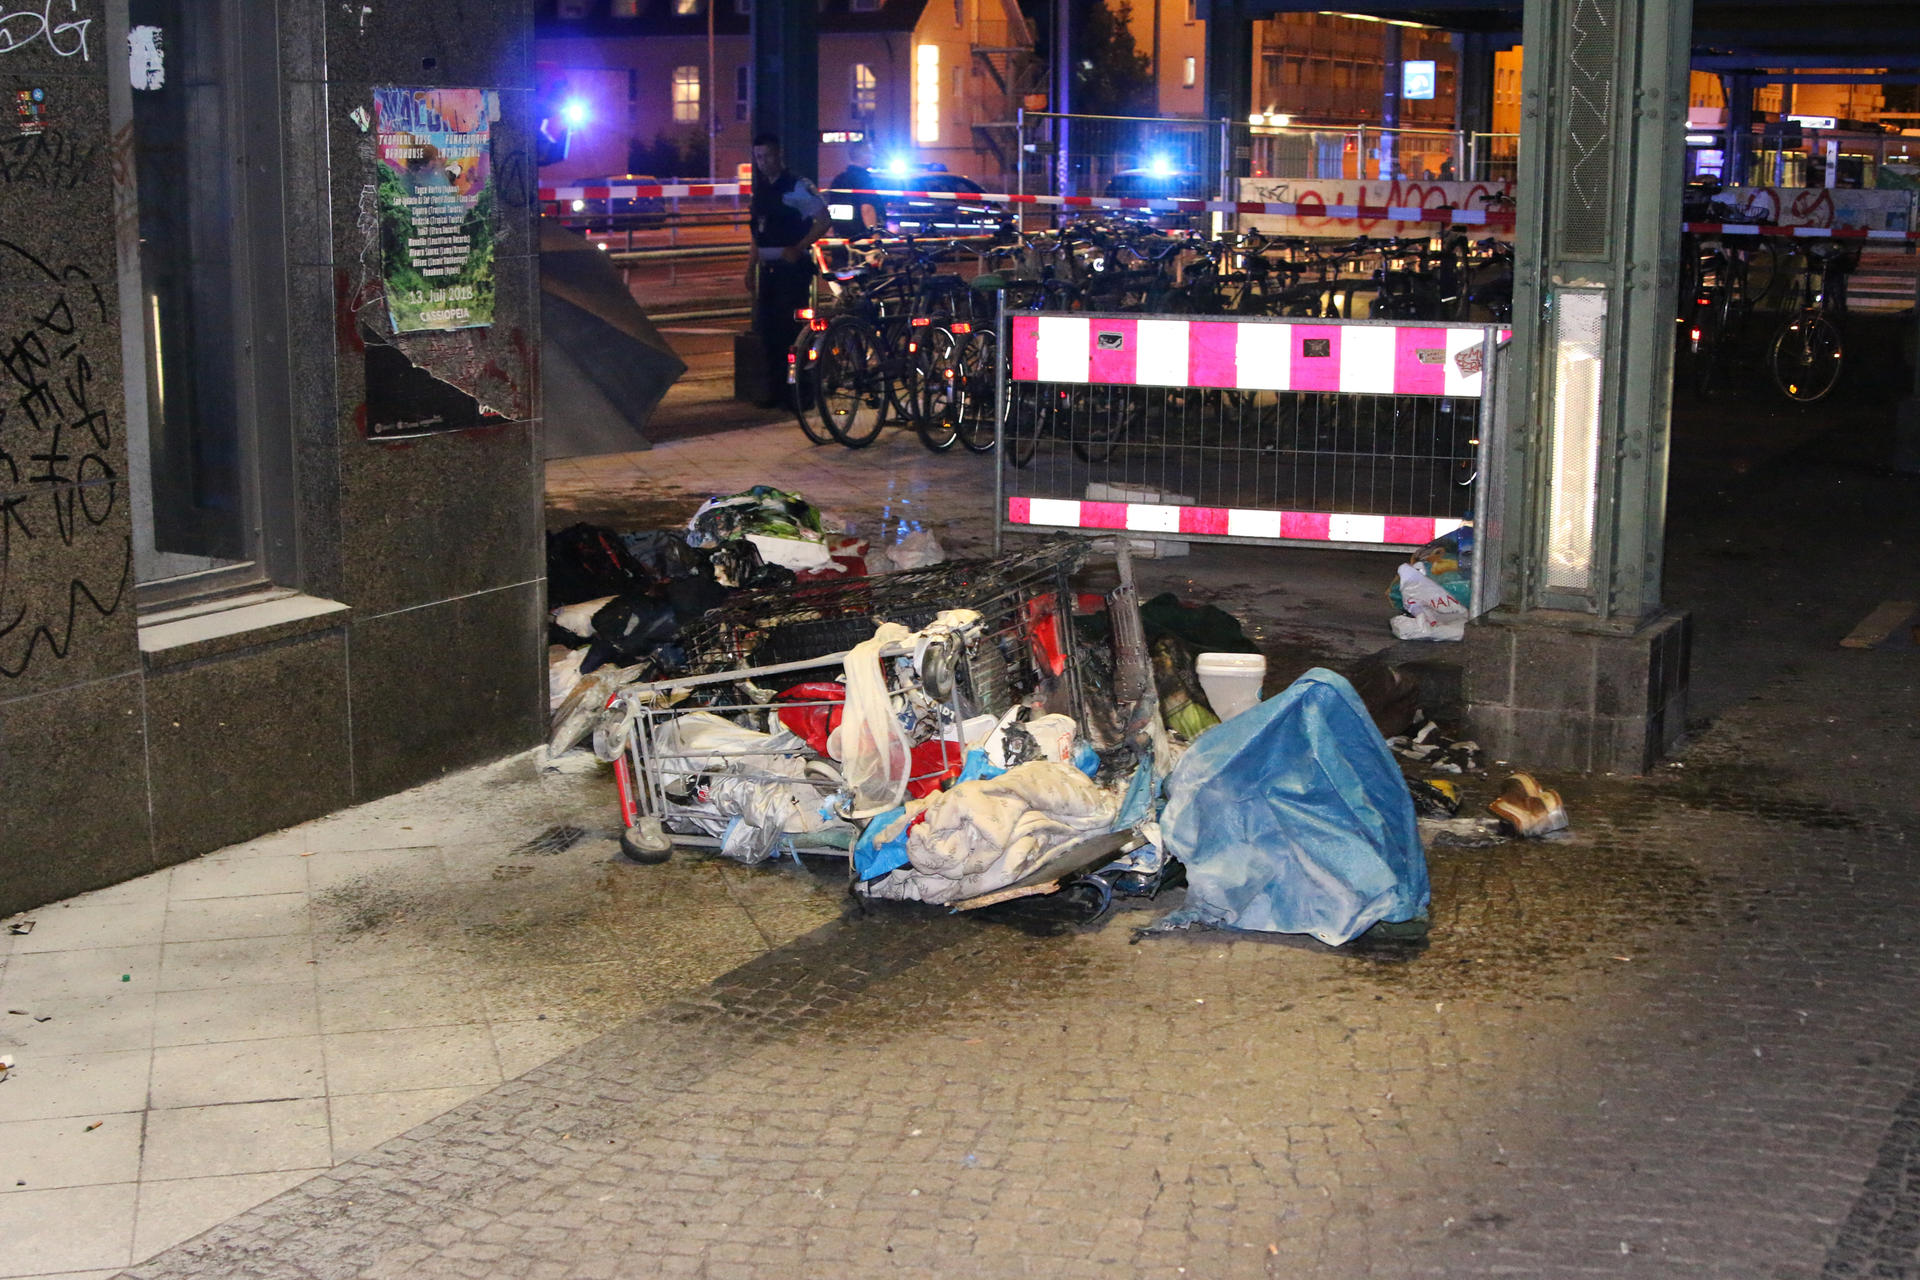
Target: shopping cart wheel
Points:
(645, 842)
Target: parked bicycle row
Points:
(896, 338)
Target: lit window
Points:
(626, 8)
(742, 93)
(1187, 80)
(926, 94)
(866, 91)
(686, 94)
(686, 8)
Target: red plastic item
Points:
(813, 723)
(932, 764)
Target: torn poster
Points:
(436, 207)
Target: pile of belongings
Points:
(619, 601)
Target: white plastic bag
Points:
(916, 551)
(873, 744)
(1432, 612)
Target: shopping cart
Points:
(733, 754)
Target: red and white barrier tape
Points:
(1233, 522)
(1803, 233)
(1333, 212)
(1250, 355)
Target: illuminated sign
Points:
(843, 135)
(1417, 78)
(1815, 122)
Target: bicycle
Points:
(1807, 352)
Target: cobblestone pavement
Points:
(1680, 1041)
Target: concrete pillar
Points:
(1580, 666)
(786, 79)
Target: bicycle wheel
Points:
(1097, 423)
(1030, 412)
(1806, 357)
(804, 395)
(1709, 348)
(938, 405)
(979, 367)
(848, 382)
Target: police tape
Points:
(1269, 208)
(1278, 209)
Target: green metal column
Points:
(1602, 147)
(786, 79)
(1580, 666)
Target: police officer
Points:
(788, 215)
(857, 176)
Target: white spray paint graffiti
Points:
(20, 26)
(146, 59)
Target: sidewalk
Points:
(1678, 1042)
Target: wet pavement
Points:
(1678, 1040)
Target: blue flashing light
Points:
(899, 167)
(1160, 167)
(575, 112)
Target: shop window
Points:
(686, 95)
(202, 287)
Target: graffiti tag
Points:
(21, 26)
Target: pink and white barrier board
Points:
(1228, 522)
(1250, 355)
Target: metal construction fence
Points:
(1358, 434)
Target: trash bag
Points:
(763, 509)
(1182, 702)
(739, 565)
(1448, 560)
(638, 626)
(873, 744)
(585, 561)
(664, 555)
(1294, 818)
(1433, 613)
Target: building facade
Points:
(923, 79)
(262, 553)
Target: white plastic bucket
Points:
(1231, 681)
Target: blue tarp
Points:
(1293, 817)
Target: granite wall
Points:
(415, 643)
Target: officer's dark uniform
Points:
(854, 178)
(783, 212)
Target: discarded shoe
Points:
(1529, 808)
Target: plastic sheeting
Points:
(1294, 818)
